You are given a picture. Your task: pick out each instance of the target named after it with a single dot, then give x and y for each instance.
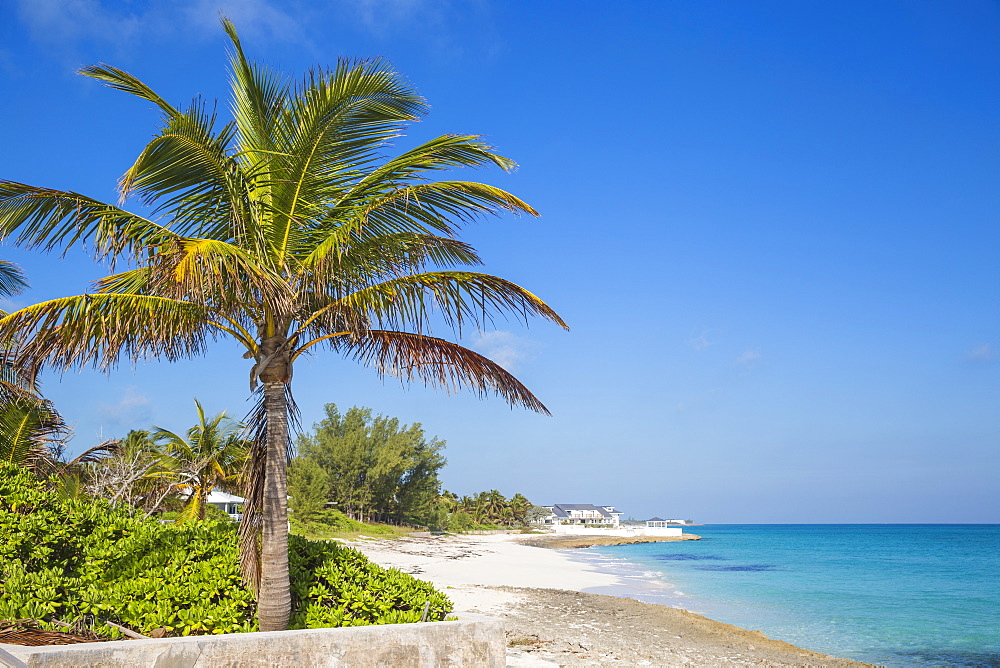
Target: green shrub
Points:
(338, 586)
(329, 523)
(462, 521)
(89, 562)
(211, 513)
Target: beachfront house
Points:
(581, 514)
(588, 520)
(230, 504)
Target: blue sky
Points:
(772, 226)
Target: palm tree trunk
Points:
(274, 600)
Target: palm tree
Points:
(287, 231)
(519, 509)
(30, 427)
(209, 456)
(31, 432)
(494, 506)
(13, 385)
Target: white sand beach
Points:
(538, 592)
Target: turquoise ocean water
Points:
(895, 595)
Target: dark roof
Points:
(560, 509)
(656, 519)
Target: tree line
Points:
(371, 467)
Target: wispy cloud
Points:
(65, 22)
(64, 25)
(748, 359)
(381, 17)
(441, 26)
(504, 348)
(133, 410)
(983, 353)
(701, 340)
(251, 17)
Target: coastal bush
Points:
(327, 524)
(87, 562)
(211, 513)
(338, 586)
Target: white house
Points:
(581, 514)
(230, 504)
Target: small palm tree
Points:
(13, 382)
(286, 230)
(209, 455)
(31, 432)
(520, 507)
(30, 426)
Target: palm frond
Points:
(12, 280)
(334, 125)
(49, 219)
(439, 207)
(435, 362)
(123, 81)
(259, 97)
(345, 253)
(101, 329)
(217, 274)
(456, 296)
(187, 171)
(444, 152)
(97, 453)
(28, 429)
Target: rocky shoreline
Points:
(551, 621)
(569, 542)
(569, 628)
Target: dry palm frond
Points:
(435, 362)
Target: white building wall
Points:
(580, 530)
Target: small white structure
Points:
(230, 504)
(661, 527)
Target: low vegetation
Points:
(334, 525)
(87, 562)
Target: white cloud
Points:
(983, 353)
(445, 29)
(64, 22)
(132, 411)
(504, 348)
(701, 341)
(251, 17)
(749, 358)
(381, 17)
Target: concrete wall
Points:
(473, 641)
(578, 530)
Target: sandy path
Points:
(550, 622)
